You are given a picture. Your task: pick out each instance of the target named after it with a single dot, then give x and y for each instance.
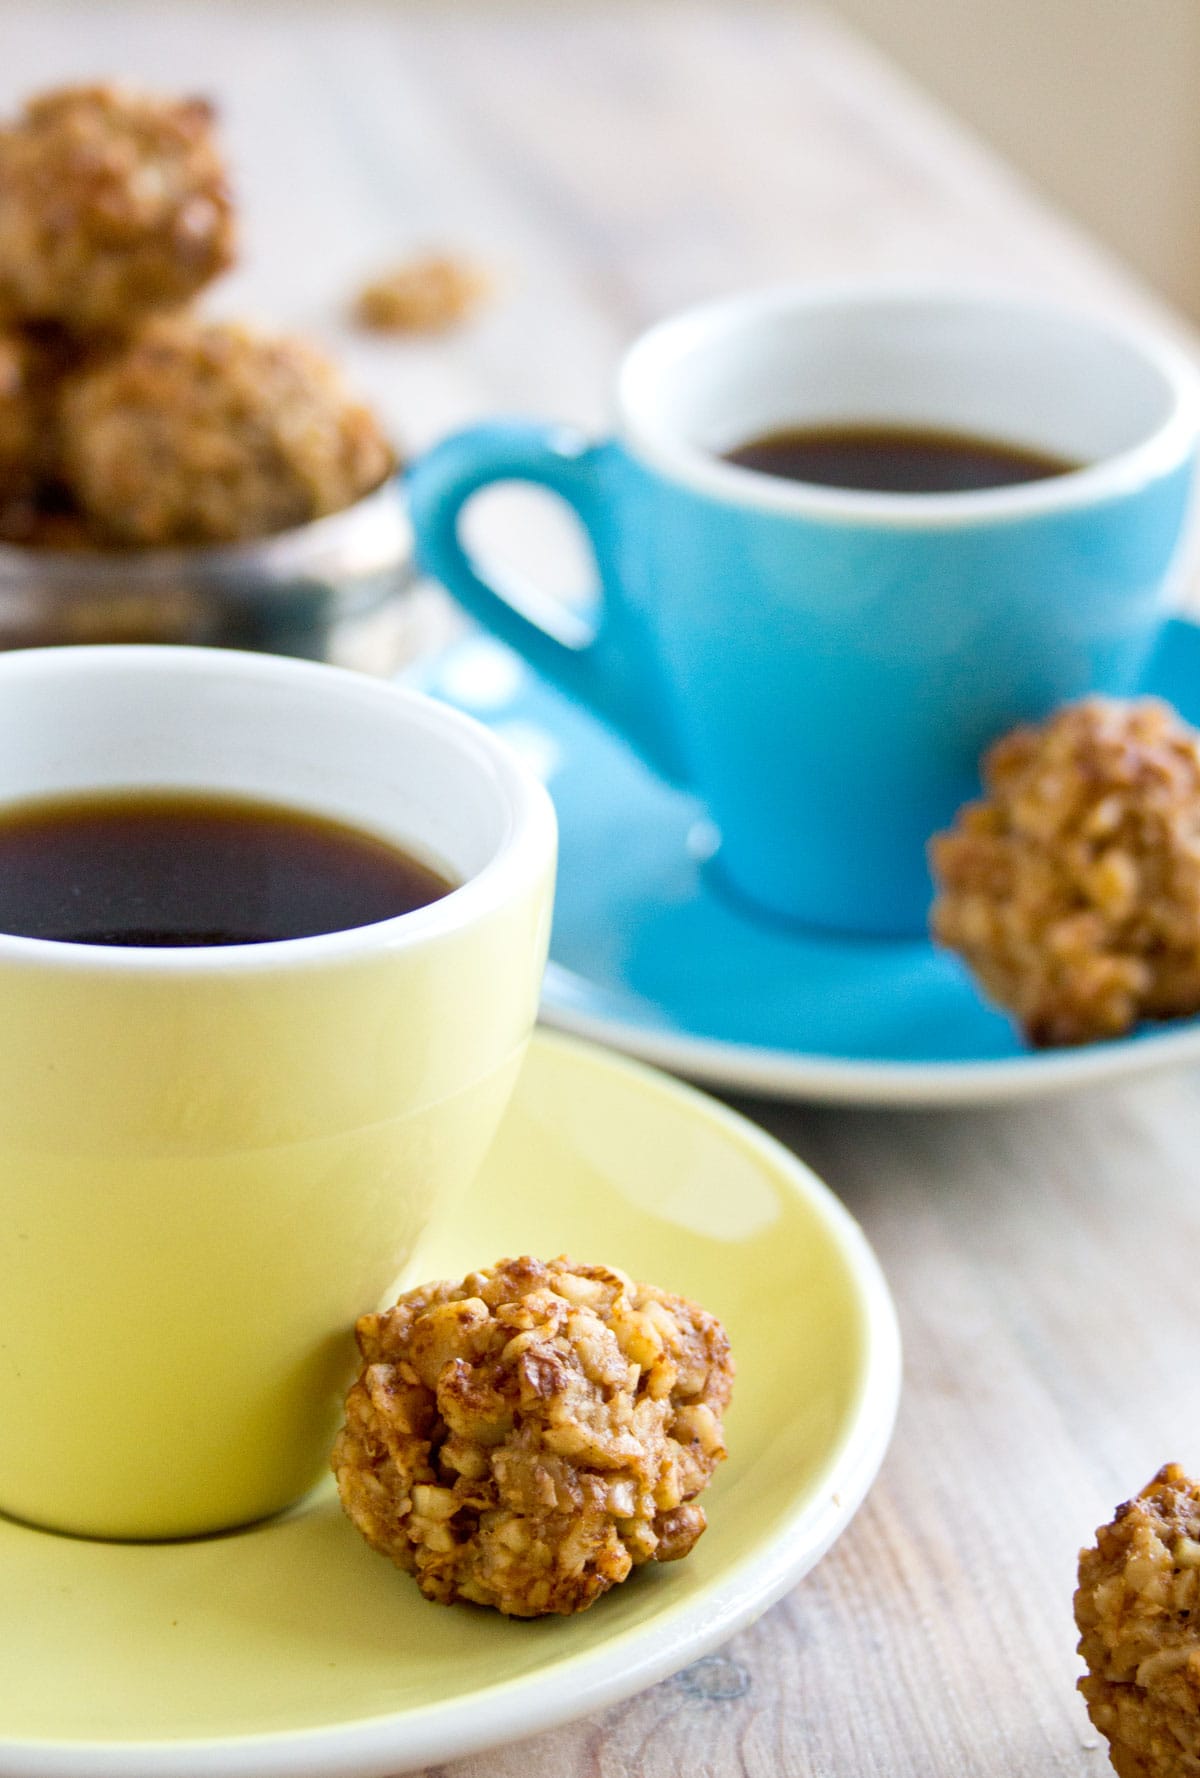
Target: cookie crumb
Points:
(423, 295)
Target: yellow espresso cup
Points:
(213, 1159)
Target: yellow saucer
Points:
(290, 1648)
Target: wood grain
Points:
(612, 162)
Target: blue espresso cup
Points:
(824, 666)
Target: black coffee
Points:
(178, 869)
(895, 459)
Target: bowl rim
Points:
(278, 553)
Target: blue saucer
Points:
(649, 956)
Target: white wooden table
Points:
(613, 162)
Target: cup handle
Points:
(604, 663)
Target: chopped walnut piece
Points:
(1072, 890)
(113, 203)
(1138, 1612)
(526, 1438)
(422, 296)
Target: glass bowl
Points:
(332, 590)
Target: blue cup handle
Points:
(604, 665)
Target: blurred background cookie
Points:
(209, 432)
(114, 203)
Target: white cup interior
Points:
(291, 733)
(1014, 371)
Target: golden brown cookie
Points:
(1072, 890)
(209, 432)
(526, 1438)
(1138, 1612)
(113, 203)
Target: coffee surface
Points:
(895, 459)
(176, 869)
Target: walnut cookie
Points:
(1138, 1612)
(526, 1438)
(210, 432)
(127, 421)
(1072, 890)
(113, 203)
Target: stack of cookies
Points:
(127, 420)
